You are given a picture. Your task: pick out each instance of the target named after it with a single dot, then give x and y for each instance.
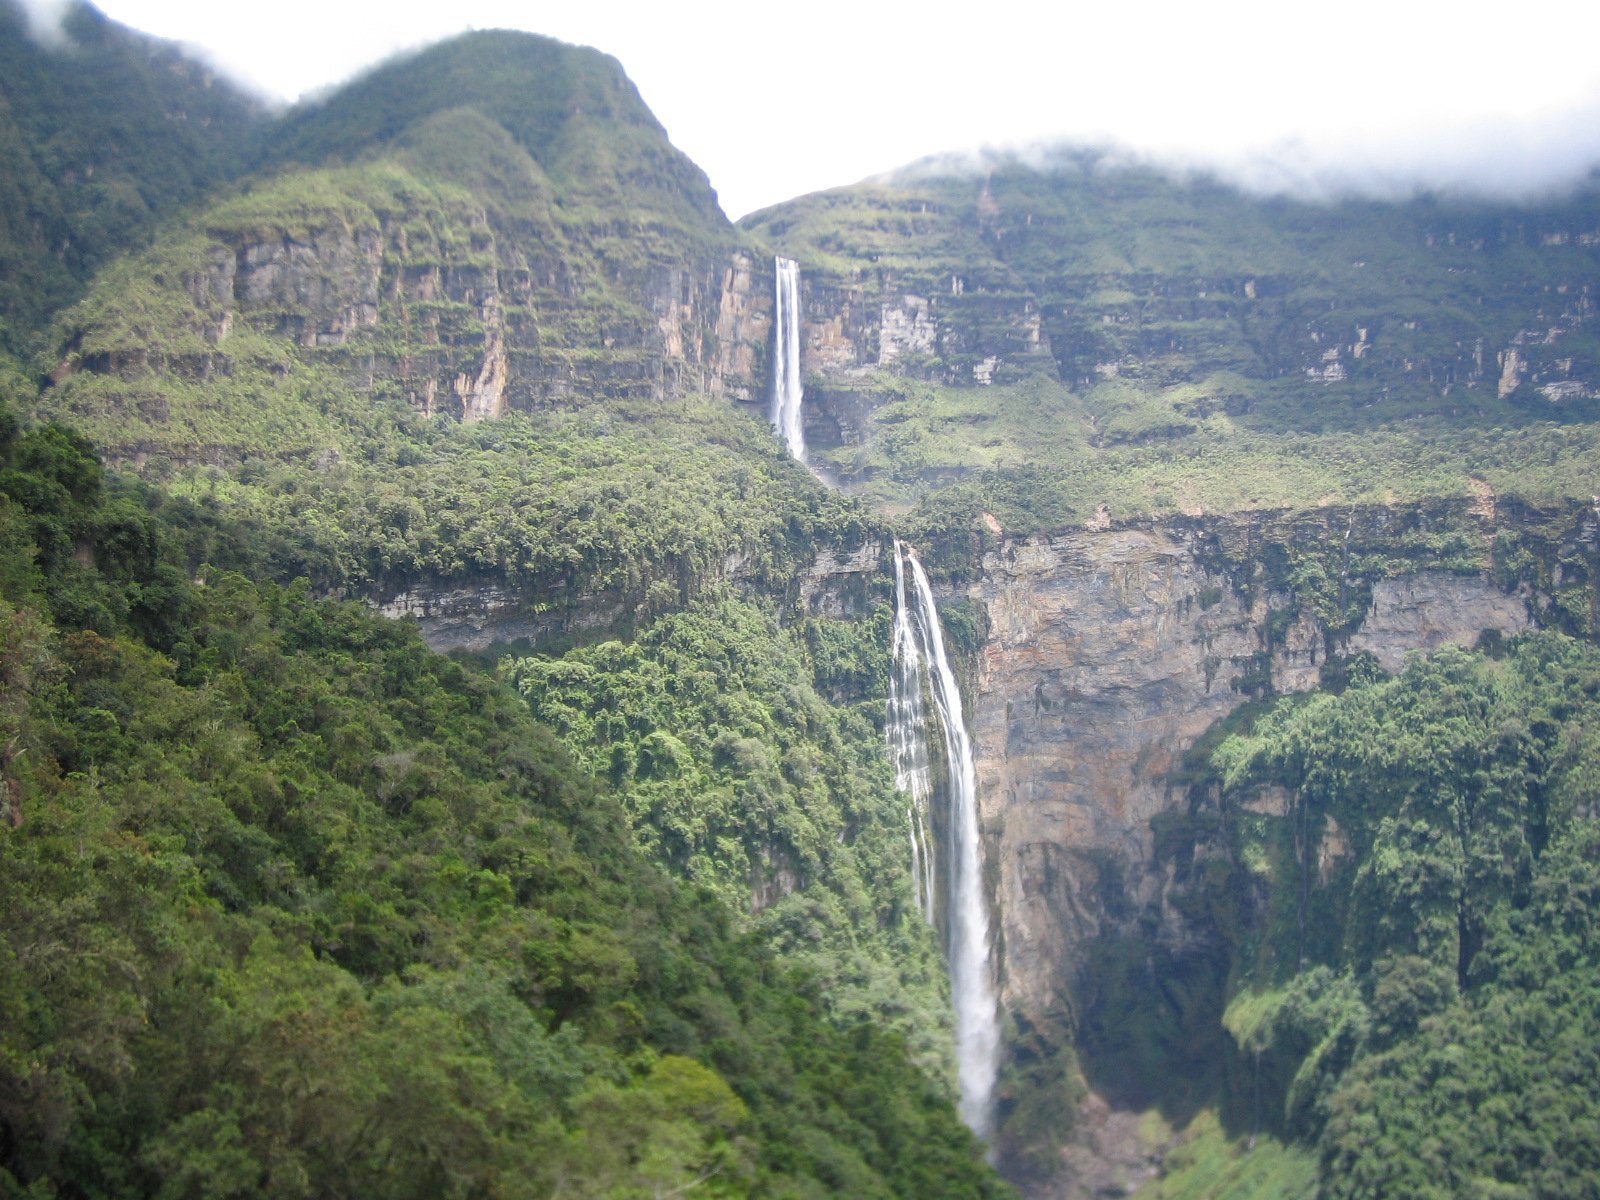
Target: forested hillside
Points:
(618, 901)
(1416, 980)
(104, 133)
(295, 906)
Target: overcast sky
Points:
(775, 100)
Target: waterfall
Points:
(787, 395)
(908, 744)
(920, 664)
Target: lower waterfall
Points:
(921, 666)
(787, 394)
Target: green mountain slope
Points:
(495, 224)
(298, 906)
(104, 133)
(314, 360)
(571, 108)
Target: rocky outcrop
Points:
(842, 582)
(1422, 612)
(536, 242)
(1107, 654)
(483, 614)
(479, 614)
(321, 289)
(743, 329)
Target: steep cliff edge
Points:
(1108, 654)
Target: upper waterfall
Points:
(920, 663)
(787, 395)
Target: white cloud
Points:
(776, 100)
(44, 19)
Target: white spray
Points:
(908, 745)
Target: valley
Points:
(1041, 676)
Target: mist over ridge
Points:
(1504, 161)
(1256, 110)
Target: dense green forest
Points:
(1398, 885)
(295, 906)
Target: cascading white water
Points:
(919, 658)
(787, 396)
(920, 669)
(908, 743)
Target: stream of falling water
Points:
(908, 744)
(921, 670)
(787, 395)
(921, 666)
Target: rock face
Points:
(482, 615)
(439, 305)
(1109, 651)
(488, 612)
(325, 287)
(1108, 654)
(1425, 611)
(1081, 271)
(743, 330)
(841, 582)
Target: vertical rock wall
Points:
(1108, 654)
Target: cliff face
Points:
(1011, 317)
(479, 615)
(1101, 271)
(1111, 652)
(406, 291)
(1108, 654)
(622, 277)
